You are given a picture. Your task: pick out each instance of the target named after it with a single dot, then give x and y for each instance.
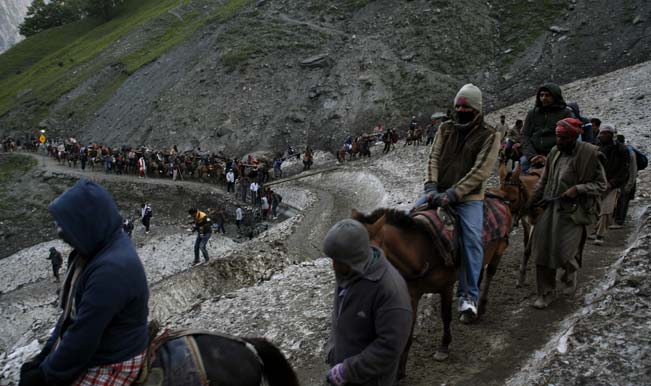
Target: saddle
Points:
(443, 225)
(172, 358)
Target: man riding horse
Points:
(102, 332)
(461, 160)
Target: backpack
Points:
(640, 158)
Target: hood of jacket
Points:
(556, 92)
(88, 217)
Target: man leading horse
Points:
(461, 160)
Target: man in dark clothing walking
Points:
(539, 132)
(219, 220)
(617, 165)
(102, 332)
(145, 216)
(371, 318)
(57, 261)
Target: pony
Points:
(517, 189)
(352, 152)
(215, 359)
(510, 152)
(307, 160)
(422, 260)
(414, 137)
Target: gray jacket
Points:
(371, 322)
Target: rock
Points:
(556, 29)
(315, 61)
(296, 117)
(640, 97)
(260, 3)
(408, 57)
(508, 50)
(638, 19)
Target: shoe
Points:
(616, 226)
(598, 241)
(468, 307)
(543, 301)
(460, 306)
(570, 283)
(592, 236)
(195, 263)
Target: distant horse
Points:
(198, 357)
(517, 189)
(510, 153)
(414, 137)
(352, 152)
(423, 259)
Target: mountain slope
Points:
(239, 75)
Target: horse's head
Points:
(512, 188)
(374, 225)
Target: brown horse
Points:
(421, 259)
(517, 189)
(354, 150)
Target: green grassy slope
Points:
(47, 65)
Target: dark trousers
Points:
(622, 206)
(238, 223)
(230, 187)
(200, 244)
(429, 140)
(220, 227)
(145, 222)
(55, 271)
(387, 147)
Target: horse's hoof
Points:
(441, 356)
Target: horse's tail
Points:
(276, 368)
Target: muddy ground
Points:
(277, 286)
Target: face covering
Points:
(465, 116)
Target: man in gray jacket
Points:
(371, 318)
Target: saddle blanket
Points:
(444, 222)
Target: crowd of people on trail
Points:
(582, 191)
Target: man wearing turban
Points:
(572, 182)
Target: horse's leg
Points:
(491, 269)
(446, 315)
(415, 298)
(526, 235)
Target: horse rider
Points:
(461, 160)
(539, 132)
(348, 144)
(371, 317)
(102, 334)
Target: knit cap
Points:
(469, 95)
(347, 242)
(608, 129)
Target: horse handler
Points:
(371, 317)
(101, 335)
(572, 182)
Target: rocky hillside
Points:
(247, 75)
(12, 13)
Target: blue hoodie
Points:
(108, 323)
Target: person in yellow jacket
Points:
(203, 227)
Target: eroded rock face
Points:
(12, 13)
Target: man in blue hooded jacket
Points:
(103, 329)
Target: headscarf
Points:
(569, 126)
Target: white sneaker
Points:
(468, 306)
